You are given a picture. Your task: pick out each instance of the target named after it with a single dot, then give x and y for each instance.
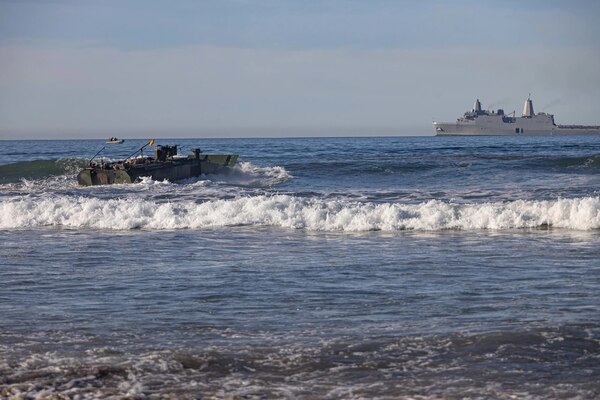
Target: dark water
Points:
(318, 268)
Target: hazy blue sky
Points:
(262, 68)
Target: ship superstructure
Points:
(489, 122)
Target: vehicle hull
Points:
(171, 170)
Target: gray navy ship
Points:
(478, 122)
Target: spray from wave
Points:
(287, 211)
(247, 174)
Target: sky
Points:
(261, 68)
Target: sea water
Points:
(397, 267)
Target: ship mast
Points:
(528, 108)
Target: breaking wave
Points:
(38, 169)
(583, 164)
(286, 211)
(246, 173)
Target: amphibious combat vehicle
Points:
(166, 164)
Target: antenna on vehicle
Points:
(103, 147)
(141, 149)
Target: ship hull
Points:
(448, 129)
(172, 170)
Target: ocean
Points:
(329, 268)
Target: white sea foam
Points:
(279, 370)
(246, 173)
(148, 181)
(243, 174)
(292, 212)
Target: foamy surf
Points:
(247, 174)
(286, 211)
(244, 173)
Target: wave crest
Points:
(287, 211)
(246, 173)
(39, 169)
